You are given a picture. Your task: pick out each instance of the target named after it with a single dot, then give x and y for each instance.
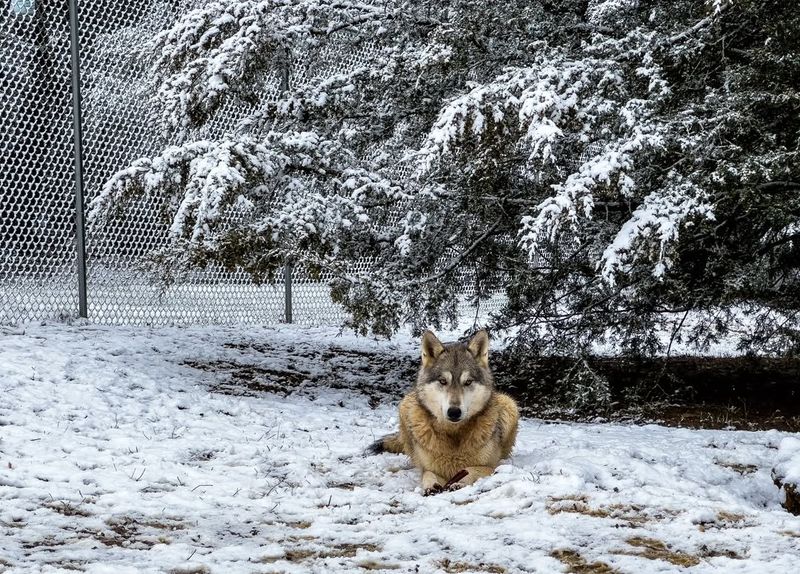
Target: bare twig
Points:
(453, 263)
(456, 477)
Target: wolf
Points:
(454, 425)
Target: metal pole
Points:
(80, 235)
(287, 266)
(287, 291)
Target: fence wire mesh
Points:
(37, 232)
(38, 277)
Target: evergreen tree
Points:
(621, 169)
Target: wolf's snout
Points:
(454, 414)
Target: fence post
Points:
(80, 235)
(287, 265)
(287, 291)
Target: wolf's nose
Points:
(454, 413)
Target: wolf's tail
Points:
(388, 443)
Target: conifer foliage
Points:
(619, 168)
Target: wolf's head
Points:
(454, 381)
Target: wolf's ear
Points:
(478, 346)
(431, 348)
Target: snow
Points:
(787, 467)
(154, 450)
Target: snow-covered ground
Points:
(162, 450)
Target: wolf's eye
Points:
(468, 382)
(443, 381)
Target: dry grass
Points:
(71, 565)
(375, 565)
(66, 508)
(128, 532)
(48, 541)
(300, 524)
(299, 555)
(340, 551)
(16, 522)
(632, 514)
(737, 467)
(189, 570)
(729, 517)
(724, 519)
(653, 549)
(454, 567)
(577, 564)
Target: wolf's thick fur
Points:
(453, 419)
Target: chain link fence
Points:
(39, 239)
(37, 200)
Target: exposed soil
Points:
(748, 393)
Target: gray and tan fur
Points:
(454, 419)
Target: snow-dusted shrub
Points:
(583, 390)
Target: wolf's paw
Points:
(435, 489)
(454, 486)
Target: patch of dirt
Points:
(577, 564)
(724, 416)
(251, 380)
(454, 567)
(748, 393)
(791, 498)
(378, 376)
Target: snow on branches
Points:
(201, 179)
(556, 107)
(605, 173)
(224, 45)
(653, 229)
(544, 99)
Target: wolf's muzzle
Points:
(454, 414)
